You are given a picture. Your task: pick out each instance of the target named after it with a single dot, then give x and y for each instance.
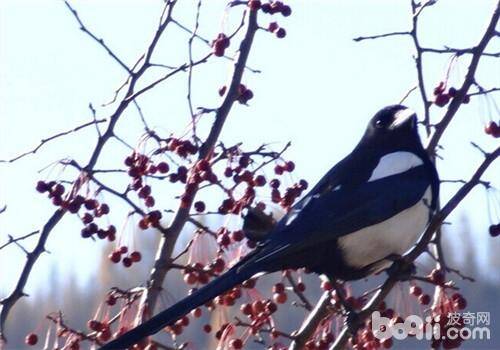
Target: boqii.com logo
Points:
(459, 326)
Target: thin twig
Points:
(48, 139)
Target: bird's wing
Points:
(324, 216)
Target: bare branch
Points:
(378, 36)
(95, 38)
(17, 239)
(44, 141)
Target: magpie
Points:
(370, 207)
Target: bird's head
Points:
(392, 128)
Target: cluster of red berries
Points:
(152, 219)
(90, 229)
(127, 261)
(183, 148)
(140, 165)
(226, 237)
(244, 94)
(442, 97)
(72, 203)
(202, 171)
(441, 314)
(220, 44)
(492, 129)
(291, 193)
(423, 299)
(197, 273)
(279, 293)
(273, 27)
(276, 7)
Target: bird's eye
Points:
(379, 123)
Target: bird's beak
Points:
(401, 117)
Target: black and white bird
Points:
(370, 207)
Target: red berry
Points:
(280, 298)
(236, 343)
(207, 328)
(87, 218)
(442, 100)
(218, 265)
(145, 191)
(199, 206)
(301, 287)
(286, 10)
(163, 167)
(494, 230)
(149, 201)
(278, 288)
(90, 204)
(271, 307)
(115, 257)
(275, 183)
(41, 186)
(326, 285)
(58, 190)
(111, 300)
(220, 45)
(424, 299)
(104, 209)
(290, 166)
(246, 309)
(260, 180)
(415, 290)
(437, 276)
(135, 256)
(492, 129)
(438, 90)
(281, 33)
(272, 27)
(94, 325)
(31, 339)
(278, 169)
(266, 8)
(190, 278)
(461, 303)
(127, 262)
(303, 185)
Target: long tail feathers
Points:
(167, 317)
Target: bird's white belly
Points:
(392, 236)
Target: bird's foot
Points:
(401, 269)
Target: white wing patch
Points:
(395, 163)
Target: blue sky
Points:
(317, 89)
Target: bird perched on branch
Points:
(369, 209)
